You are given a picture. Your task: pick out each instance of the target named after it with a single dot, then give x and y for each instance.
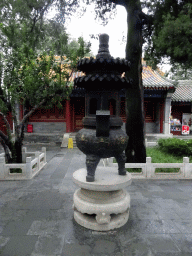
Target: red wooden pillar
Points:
(162, 105)
(68, 116)
(73, 118)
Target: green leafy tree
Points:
(154, 29)
(137, 21)
(171, 34)
(43, 81)
(28, 76)
(178, 72)
(166, 30)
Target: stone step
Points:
(156, 137)
(72, 136)
(55, 138)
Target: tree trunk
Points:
(17, 146)
(13, 150)
(17, 152)
(135, 151)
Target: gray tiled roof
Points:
(183, 91)
(152, 79)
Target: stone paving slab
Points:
(36, 216)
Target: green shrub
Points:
(137, 170)
(176, 147)
(15, 170)
(167, 170)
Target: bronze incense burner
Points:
(102, 136)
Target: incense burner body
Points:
(102, 136)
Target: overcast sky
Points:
(116, 29)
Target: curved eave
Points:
(152, 79)
(188, 100)
(183, 93)
(89, 65)
(160, 88)
(100, 78)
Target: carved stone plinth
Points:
(104, 204)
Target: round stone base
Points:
(89, 221)
(106, 179)
(104, 204)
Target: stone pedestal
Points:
(101, 205)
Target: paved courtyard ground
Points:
(36, 216)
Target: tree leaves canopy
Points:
(30, 73)
(171, 33)
(27, 37)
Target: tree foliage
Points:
(178, 72)
(171, 33)
(30, 75)
(167, 31)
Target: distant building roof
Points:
(183, 92)
(153, 80)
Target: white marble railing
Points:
(33, 162)
(148, 169)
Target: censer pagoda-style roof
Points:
(151, 79)
(100, 64)
(103, 72)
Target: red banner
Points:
(185, 129)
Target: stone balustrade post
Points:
(149, 168)
(2, 167)
(28, 168)
(145, 142)
(37, 154)
(43, 149)
(187, 167)
(24, 151)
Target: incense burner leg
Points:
(121, 163)
(91, 163)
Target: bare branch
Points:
(6, 139)
(6, 123)
(31, 112)
(36, 18)
(22, 132)
(5, 147)
(147, 19)
(119, 2)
